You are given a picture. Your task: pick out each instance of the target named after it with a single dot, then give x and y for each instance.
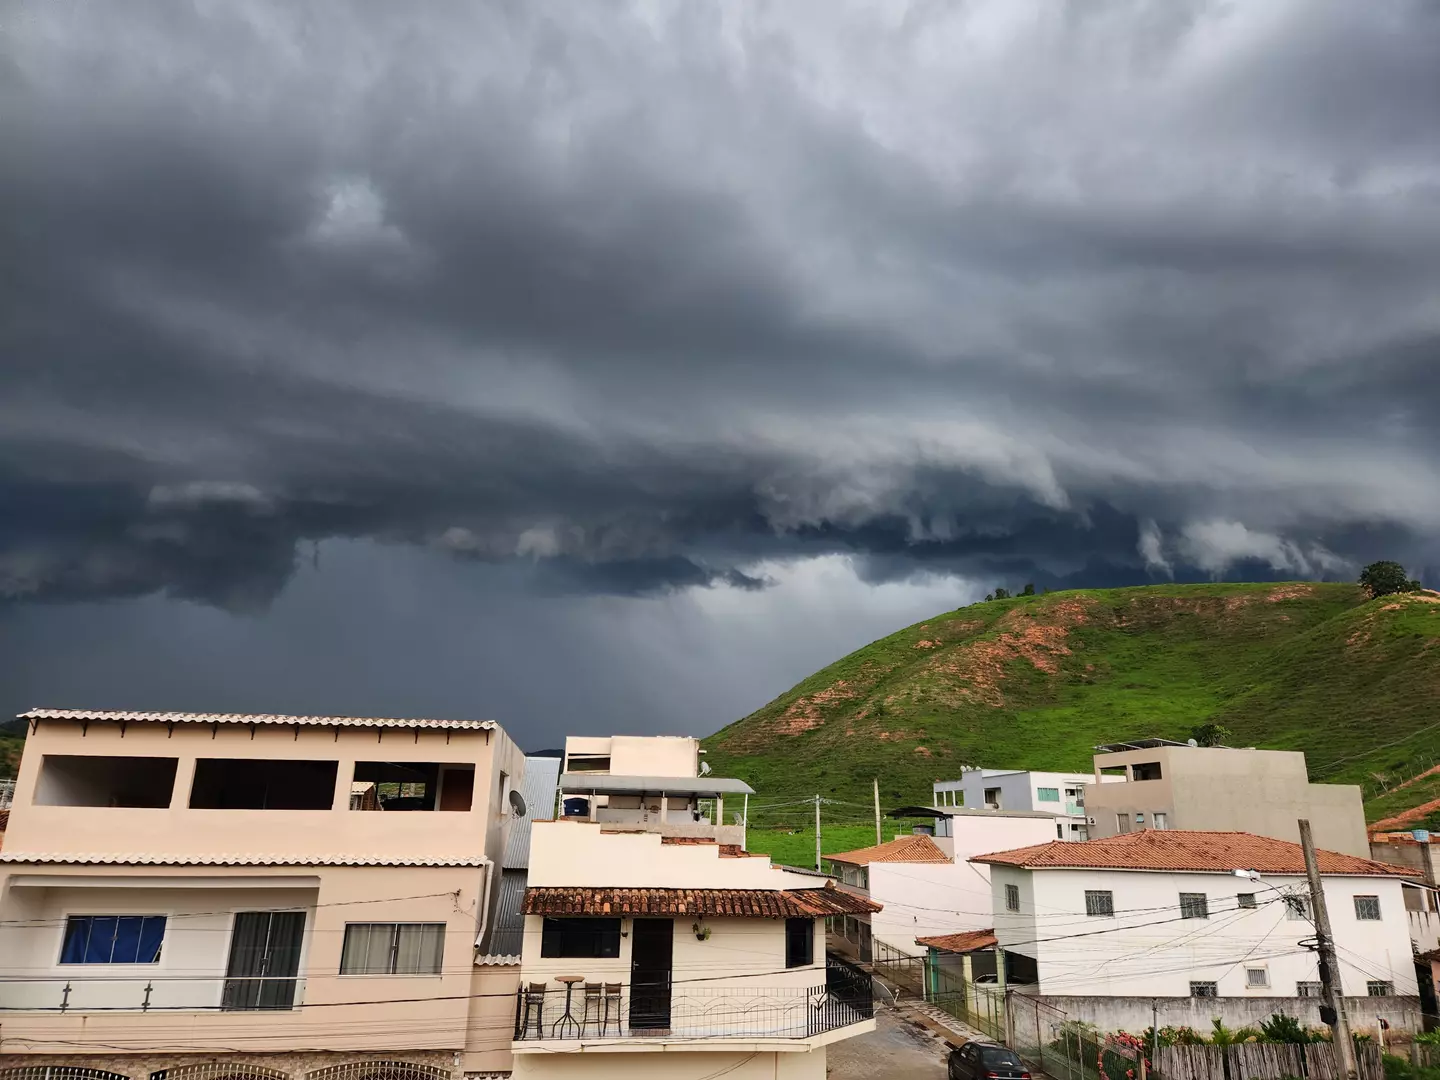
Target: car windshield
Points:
(998, 1055)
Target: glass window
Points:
(1245, 900)
(113, 939)
(1159, 820)
(1307, 989)
(1257, 978)
(1379, 988)
(1297, 907)
(1099, 902)
(580, 938)
(1047, 794)
(392, 949)
(799, 942)
(1367, 908)
(1204, 989)
(1194, 905)
(1012, 897)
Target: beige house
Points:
(260, 897)
(1171, 785)
(656, 948)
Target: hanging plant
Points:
(702, 933)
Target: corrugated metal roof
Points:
(136, 859)
(507, 933)
(494, 960)
(98, 715)
(741, 903)
(1163, 849)
(608, 784)
(537, 788)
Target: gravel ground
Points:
(895, 1050)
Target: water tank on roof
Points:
(577, 808)
(1422, 836)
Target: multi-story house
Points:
(264, 897)
(1159, 784)
(1104, 929)
(656, 947)
(926, 885)
(1060, 795)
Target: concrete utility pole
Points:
(1329, 965)
(817, 832)
(878, 838)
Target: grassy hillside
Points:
(10, 747)
(1037, 681)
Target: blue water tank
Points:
(1422, 836)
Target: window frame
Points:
(1012, 897)
(1306, 988)
(1093, 904)
(72, 918)
(1194, 905)
(551, 931)
(1372, 903)
(1262, 971)
(1214, 990)
(1122, 825)
(1245, 901)
(791, 926)
(1379, 988)
(393, 965)
(1041, 794)
(1297, 908)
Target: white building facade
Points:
(1162, 915)
(1060, 795)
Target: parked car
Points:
(986, 1061)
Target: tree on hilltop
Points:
(1211, 735)
(1385, 578)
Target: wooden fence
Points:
(1263, 1061)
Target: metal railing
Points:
(754, 1012)
(127, 993)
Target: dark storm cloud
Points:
(640, 301)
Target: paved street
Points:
(895, 1050)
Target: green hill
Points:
(1036, 682)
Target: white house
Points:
(1163, 915)
(927, 885)
(653, 948)
(1060, 795)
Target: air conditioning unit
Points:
(1089, 821)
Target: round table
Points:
(567, 1017)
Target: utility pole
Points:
(878, 838)
(817, 832)
(1329, 964)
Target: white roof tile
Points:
(252, 718)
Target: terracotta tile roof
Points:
(742, 903)
(915, 849)
(253, 718)
(135, 859)
(965, 942)
(1155, 849)
(727, 851)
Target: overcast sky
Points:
(611, 367)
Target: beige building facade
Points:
(1156, 784)
(278, 898)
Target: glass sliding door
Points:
(264, 960)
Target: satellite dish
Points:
(517, 803)
(704, 768)
(1192, 742)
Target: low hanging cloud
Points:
(1004, 290)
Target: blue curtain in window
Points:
(77, 934)
(113, 939)
(152, 935)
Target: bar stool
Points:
(594, 1012)
(612, 1002)
(534, 1007)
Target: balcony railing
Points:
(697, 1012)
(205, 993)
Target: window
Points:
(1367, 908)
(393, 949)
(1194, 905)
(1204, 989)
(1245, 900)
(1099, 902)
(1047, 794)
(1139, 821)
(799, 942)
(263, 784)
(581, 939)
(1380, 988)
(1146, 770)
(588, 763)
(1257, 978)
(112, 939)
(1297, 907)
(75, 780)
(992, 798)
(1059, 830)
(1122, 823)
(1307, 989)
(1012, 897)
(1159, 820)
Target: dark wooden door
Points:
(652, 947)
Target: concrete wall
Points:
(1150, 950)
(641, 755)
(672, 1064)
(922, 899)
(1017, 789)
(1134, 1014)
(179, 830)
(1213, 788)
